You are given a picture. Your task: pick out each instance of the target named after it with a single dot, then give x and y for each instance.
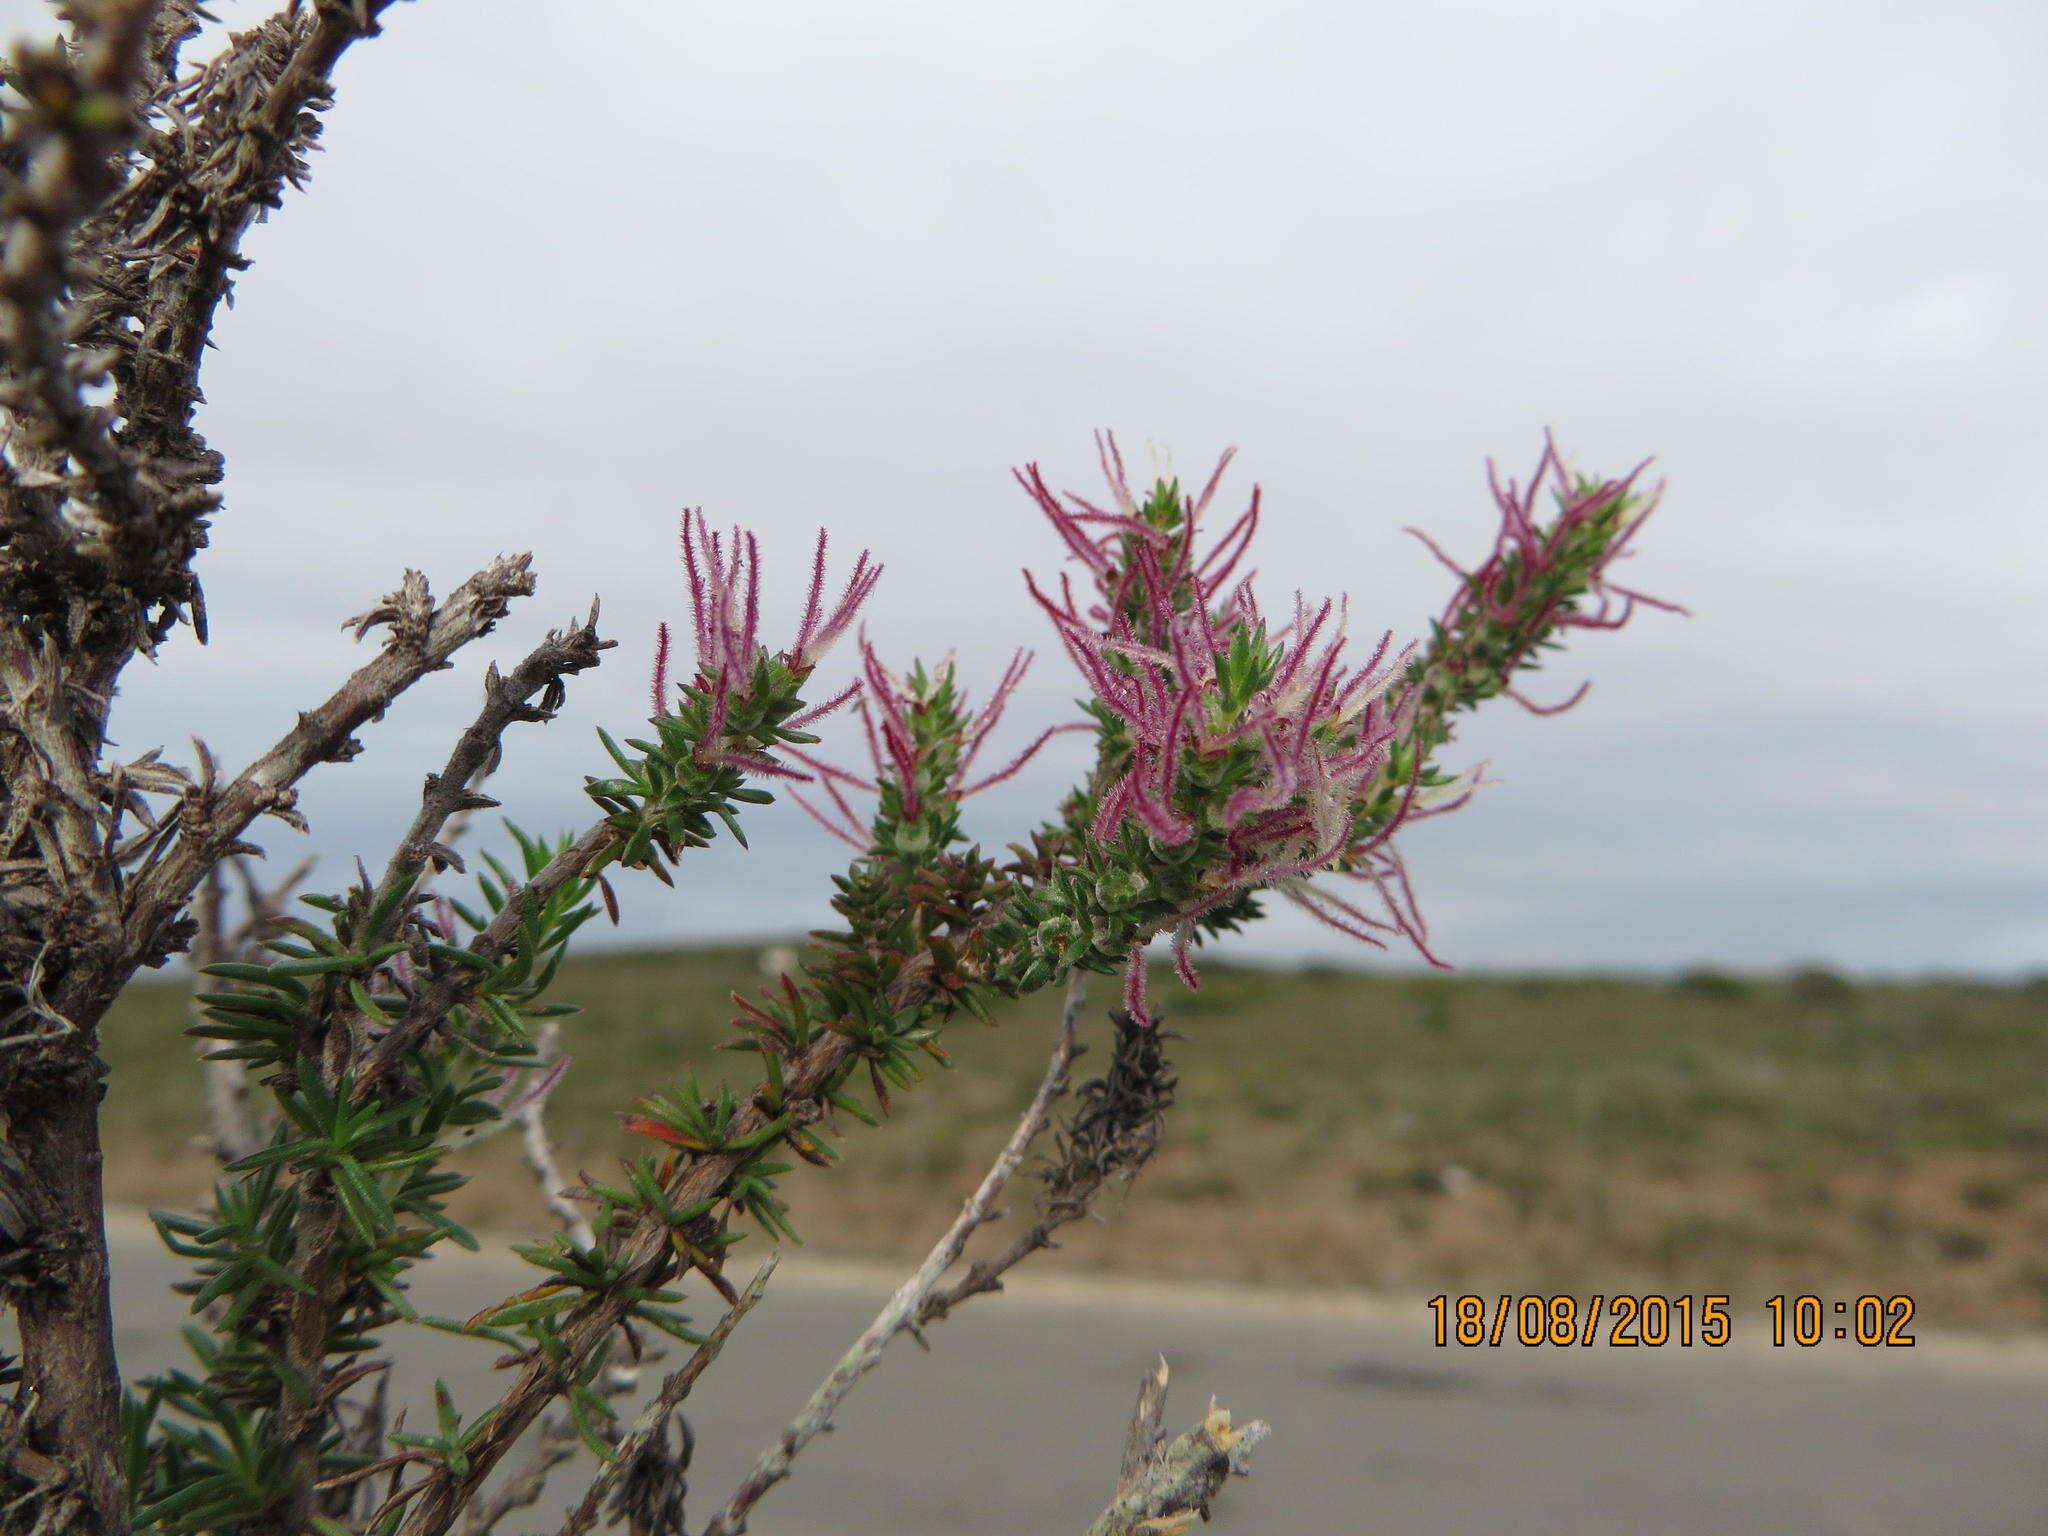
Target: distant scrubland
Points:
(1714, 1133)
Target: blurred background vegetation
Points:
(1712, 1133)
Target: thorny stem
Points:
(247, 122)
(84, 593)
(446, 991)
(63, 157)
(70, 146)
(449, 793)
(423, 637)
(312, 1316)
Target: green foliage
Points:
(217, 1449)
(1515, 606)
(449, 1443)
(695, 770)
(1707, 981)
(1817, 986)
(217, 1467)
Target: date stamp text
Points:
(1651, 1321)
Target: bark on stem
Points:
(69, 1376)
(431, 1004)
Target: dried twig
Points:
(539, 1150)
(423, 636)
(523, 1486)
(508, 699)
(558, 1436)
(1164, 1489)
(1147, 1429)
(555, 1441)
(1113, 1132)
(905, 1307)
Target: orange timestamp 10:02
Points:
(1655, 1321)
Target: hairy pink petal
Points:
(1215, 478)
(986, 717)
(852, 839)
(1017, 763)
(814, 598)
(845, 695)
(1113, 469)
(1183, 967)
(1222, 560)
(1134, 988)
(1549, 709)
(660, 686)
(1109, 815)
(827, 772)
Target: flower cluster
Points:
(742, 708)
(1217, 722)
(1241, 752)
(1536, 578)
(724, 571)
(923, 739)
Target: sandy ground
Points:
(1013, 1423)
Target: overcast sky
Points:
(564, 270)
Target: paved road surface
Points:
(1012, 1425)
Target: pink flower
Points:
(1503, 587)
(1180, 656)
(899, 715)
(820, 629)
(725, 605)
(724, 572)
(1157, 650)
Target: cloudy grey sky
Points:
(564, 270)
